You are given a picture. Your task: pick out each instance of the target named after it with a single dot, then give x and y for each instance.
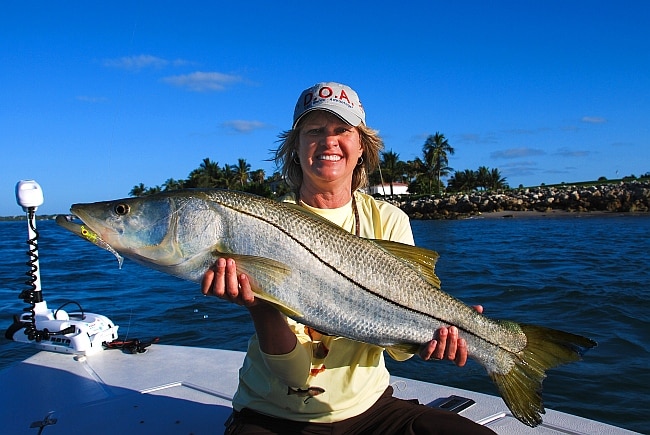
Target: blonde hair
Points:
(286, 156)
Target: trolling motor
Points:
(54, 330)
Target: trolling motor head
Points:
(29, 195)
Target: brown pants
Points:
(389, 415)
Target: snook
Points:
(373, 291)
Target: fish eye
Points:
(122, 209)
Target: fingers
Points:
(206, 282)
(210, 284)
(435, 349)
(427, 349)
(230, 278)
(447, 346)
(453, 347)
(223, 281)
(461, 353)
(213, 281)
(439, 353)
(246, 293)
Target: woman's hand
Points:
(222, 281)
(447, 345)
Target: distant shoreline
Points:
(554, 214)
(566, 201)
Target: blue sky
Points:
(96, 98)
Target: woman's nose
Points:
(331, 139)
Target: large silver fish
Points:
(373, 291)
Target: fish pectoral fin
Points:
(421, 259)
(262, 269)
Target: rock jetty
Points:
(633, 196)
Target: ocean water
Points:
(584, 274)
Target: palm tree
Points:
(463, 181)
(413, 168)
(172, 184)
(152, 190)
(258, 176)
(392, 166)
(229, 176)
(435, 150)
(138, 190)
(206, 175)
(496, 181)
(242, 170)
(483, 177)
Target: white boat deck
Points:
(187, 390)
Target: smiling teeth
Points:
(330, 158)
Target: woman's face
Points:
(328, 149)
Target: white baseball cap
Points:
(336, 98)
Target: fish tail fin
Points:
(521, 387)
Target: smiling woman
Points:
(326, 157)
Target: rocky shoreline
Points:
(625, 197)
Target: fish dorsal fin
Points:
(265, 269)
(421, 259)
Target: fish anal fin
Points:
(421, 259)
(408, 348)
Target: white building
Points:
(384, 189)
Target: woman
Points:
(294, 379)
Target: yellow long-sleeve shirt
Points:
(324, 379)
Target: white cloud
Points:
(477, 138)
(242, 126)
(202, 81)
(89, 99)
(520, 169)
(566, 152)
(593, 119)
(517, 153)
(527, 132)
(136, 62)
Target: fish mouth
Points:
(87, 233)
(100, 230)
